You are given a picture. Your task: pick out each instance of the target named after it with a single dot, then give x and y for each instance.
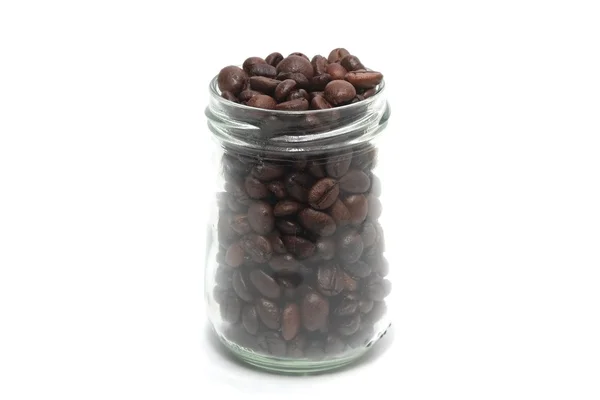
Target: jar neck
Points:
(313, 131)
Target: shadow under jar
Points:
(296, 269)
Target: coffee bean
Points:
(288, 227)
(219, 294)
(333, 344)
(340, 213)
(348, 325)
(229, 96)
(239, 223)
(268, 172)
(365, 305)
(268, 312)
(319, 64)
(372, 255)
(358, 269)
(338, 166)
(232, 79)
(298, 246)
(260, 216)
(362, 337)
(369, 93)
(350, 284)
(276, 243)
(301, 80)
(319, 82)
(230, 307)
(278, 189)
(293, 105)
(355, 181)
(339, 92)
(285, 263)
(223, 276)
(358, 207)
(263, 84)
(323, 194)
(284, 88)
(364, 158)
(319, 103)
(262, 101)
(257, 247)
(238, 193)
(251, 61)
(351, 63)
(235, 255)
(295, 63)
(298, 94)
(265, 284)
(337, 54)
(368, 233)
(350, 246)
(377, 312)
(348, 305)
(364, 80)
(316, 168)
(330, 280)
(255, 188)
(287, 207)
(271, 343)
(325, 248)
(296, 346)
(315, 94)
(235, 166)
(274, 59)
(375, 207)
(315, 350)
(298, 185)
(314, 311)
(336, 71)
(299, 164)
(317, 222)
(263, 70)
(382, 268)
(290, 321)
(378, 289)
(240, 286)
(247, 94)
(250, 319)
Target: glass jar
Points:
(296, 269)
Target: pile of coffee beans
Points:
(296, 83)
(301, 271)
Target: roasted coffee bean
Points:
(333, 344)
(359, 269)
(319, 103)
(284, 89)
(229, 96)
(364, 80)
(375, 186)
(271, 343)
(261, 218)
(296, 346)
(350, 284)
(336, 71)
(319, 82)
(316, 168)
(262, 101)
(220, 257)
(219, 294)
(290, 321)
(239, 223)
(355, 181)
(251, 61)
(247, 94)
(382, 268)
(348, 325)
(375, 207)
(317, 93)
(369, 93)
(348, 305)
(232, 79)
(378, 289)
(268, 172)
(373, 255)
(301, 80)
(235, 255)
(265, 284)
(299, 164)
(287, 285)
(323, 194)
(269, 313)
(274, 59)
(330, 280)
(276, 243)
(315, 350)
(295, 63)
(314, 311)
(365, 305)
(234, 166)
(255, 188)
(225, 233)
(238, 193)
(230, 307)
(223, 276)
(241, 287)
(340, 213)
(317, 222)
(278, 189)
(257, 247)
(319, 64)
(285, 263)
(298, 185)
(362, 337)
(358, 207)
(285, 208)
(263, 70)
(377, 312)
(250, 319)
(336, 55)
(338, 166)
(350, 246)
(297, 53)
(293, 105)
(351, 63)
(263, 84)
(368, 233)
(325, 248)
(339, 92)
(299, 246)
(298, 94)
(288, 227)
(364, 158)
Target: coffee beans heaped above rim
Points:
(296, 83)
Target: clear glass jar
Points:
(296, 269)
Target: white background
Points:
(104, 151)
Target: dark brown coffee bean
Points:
(232, 79)
(375, 207)
(226, 234)
(295, 63)
(298, 94)
(284, 88)
(317, 222)
(338, 166)
(318, 82)
(314, 310)
(251, 61)
(278, 189)
(351, 63)
(340, 213)
(263, 70)
(238, 193)
(297, 53)
(339, 92)
(219, 294)
(298, 246)
(350, 246)
(362, 337)
(330, 280)
(265, 284)
(293, 105)
(246, 95)
(223, 276)
(262, 101)
(377, 312)
(268, 172)
(336, 71)
(319, 103)
(348, 325)
(268, 312)
(336, 55)
(239, 223)
(230, 307)
(325, 248)
(290, 321)
(250, 319)
(323, 194)
(364, 80)
(296, 346)
(373, 254)
(333, 344)
(235, 255)
(229, 96)
(301, 80)
(263, 84)
(368, 233)
(315, 94)
(285, 208)
(378, 289)
(261, 218)
(358, 206)
(299, 164)
(355, 181)
(359, 269)
(365, 305)
(271, 343)
(288, 227)
(276, 243)
(350, 284)
(316, 168)
(220, 257)
(348, 305)
(285, 263)
(369, 93)
(257, 247)
(255, 188)
(319, 64)
(364, 158)
(298, 185)
(241, 287)
(382, 268)
(274, 59)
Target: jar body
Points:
(296, 270)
